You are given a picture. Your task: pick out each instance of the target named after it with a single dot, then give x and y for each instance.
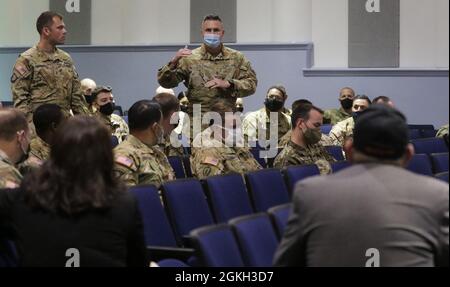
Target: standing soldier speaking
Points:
(45, 74)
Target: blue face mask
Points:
(212, 40)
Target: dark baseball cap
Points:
(100, 89)
(381, 132)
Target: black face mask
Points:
(184, 109)
(88, 99)
(240, 109)
(274, 105)
(356, 115)
(107, 109)
(347, 104)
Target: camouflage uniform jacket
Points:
(116, 124)
(324, 141)
(259, 121)
(212, 157)
(294, 154)
(201, 67)
(137, 163)
(334, 116)
(39, 153)
(10, 177)
(170, 150)
(40, 78)
(342, 131)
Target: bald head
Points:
(161, 90)
(87, 86)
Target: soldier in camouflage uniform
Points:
(216, 151)
(46, 119)
(170, 106)
(260, 121)
(103, 108)
(334, 116)
(46, 74)
(344, 129)
(304, 147)
(211, 71)
(442, 132)
(14, 145)
(137, 160)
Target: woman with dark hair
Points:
(73, 211)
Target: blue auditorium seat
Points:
(440, 162)
(217, 246)
(266, 188)
(294, 174)
(420, 163)
(280, 215)
(257, 239)
(228, 196)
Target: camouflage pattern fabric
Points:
(334, 116)
(10, 177)
(259, 121)
(342, 131)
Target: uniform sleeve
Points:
(246, 82)
(249, 127)
(327, 117)
(78, 104)
(125, 168)
(20, 86)
(337, 135)
(206, 163)
(169, 78)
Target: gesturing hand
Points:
(217, 83)
(181, 54)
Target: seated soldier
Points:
(137, 161)
(344, 130)
(257, 126)
(334, 116)
(218, 149)
(87, 87)
(46, 120)
(304, 147)
(171, 145)
(103, 107)
(383, 100)
(14, 145)
(325, 140)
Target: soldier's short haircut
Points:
(362, 97)
(168, 102)
(47, 116)
(143, 114)
(211, 17)
(279, 88)
(46, 20)
(382, 99)
(302, 112)
(300, 102)
(11, 122)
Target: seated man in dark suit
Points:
(375, 213)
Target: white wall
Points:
(424, 26)
(18, 21)
(424, 33)
(330, 33)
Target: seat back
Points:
(442, 176)
(336, 152)
(228, 197)
(186, 206)
(256, 154)
(428, 133)
(326, 129)
(420, 163)
(257, 239)
(266, 188)
(415, 134)
(157, 229)
(280, 215)
(440, 162)
(339, 165)
(294, 174)
(429, 145)
(177, 165)
(187, 165)
(217, 246)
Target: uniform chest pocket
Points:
(64, 73)
(44, 76)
